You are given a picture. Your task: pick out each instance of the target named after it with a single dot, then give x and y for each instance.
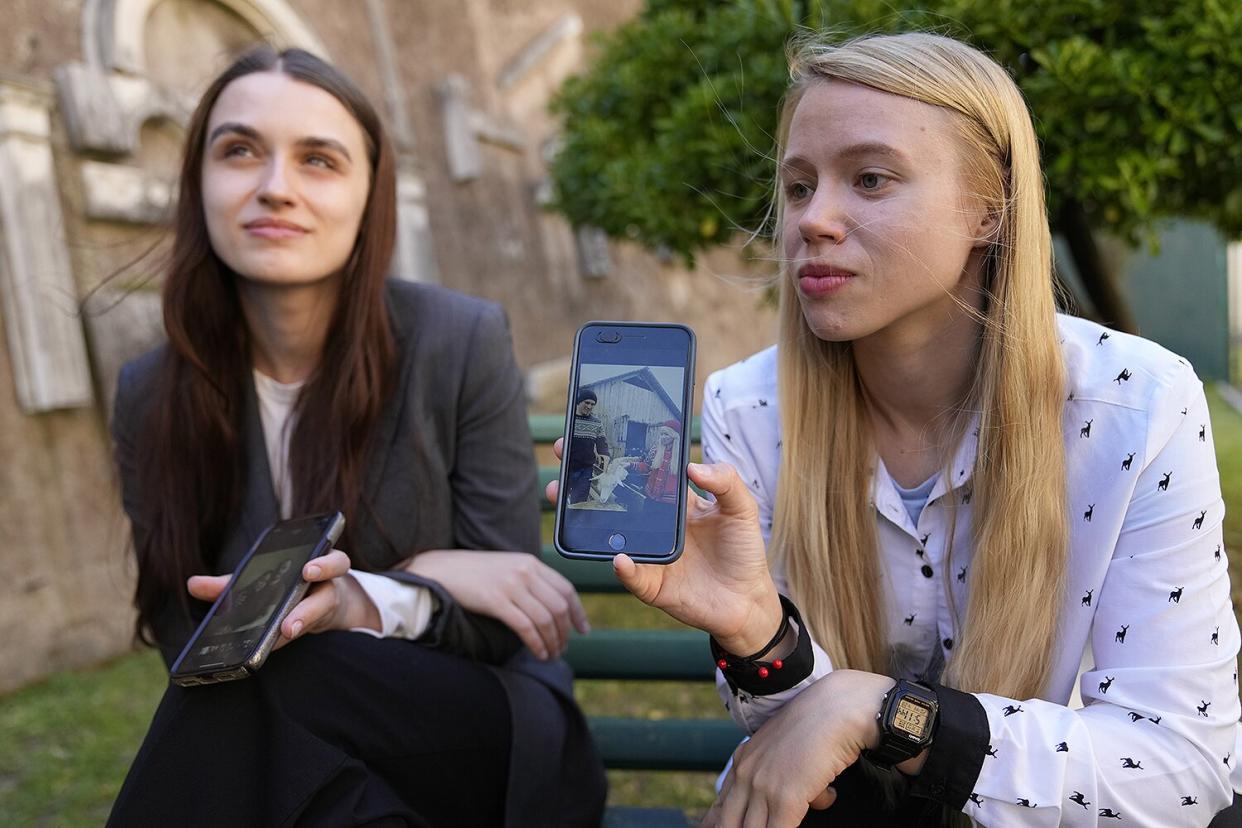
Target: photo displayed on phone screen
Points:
(624, 474)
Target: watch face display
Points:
(912, 718)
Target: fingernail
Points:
(313, 571)
(702, 470)
(297, 628)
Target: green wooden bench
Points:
(638, 655)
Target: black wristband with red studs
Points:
(753, 675)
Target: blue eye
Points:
(320, 161)
(797, 191)
(871, 181)
(236, 151)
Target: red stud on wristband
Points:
(722, 664)
(763, 672)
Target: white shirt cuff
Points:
(404, 609)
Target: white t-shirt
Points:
(404, 609)
(1147, 588)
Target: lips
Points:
(816, 281)
(269, 228)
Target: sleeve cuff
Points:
(405, 610)
(956, 756)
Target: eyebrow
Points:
(866, 149)
(310, 142)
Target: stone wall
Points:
(93, 94)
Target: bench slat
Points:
(665, 744)
(587, 576)
(667, 655)
(622, 816)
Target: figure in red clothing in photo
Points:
(662, 464)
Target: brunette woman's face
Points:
(878, 230)
(285, 180)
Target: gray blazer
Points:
(451, 466)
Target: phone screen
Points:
(240, 620)
(625, 457)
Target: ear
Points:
(986, 229)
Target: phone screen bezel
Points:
(663, 337)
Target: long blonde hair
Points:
(825, 527)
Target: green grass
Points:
(68, 741)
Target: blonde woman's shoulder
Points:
(1109, 366)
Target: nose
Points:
(275, 188)
(823, 220)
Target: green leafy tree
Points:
(668, 137)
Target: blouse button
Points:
(927, 571)
(948, 643)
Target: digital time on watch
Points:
(908, 717)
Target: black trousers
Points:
(338, 729)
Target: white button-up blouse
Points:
(1148, 589)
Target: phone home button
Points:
(617, 541)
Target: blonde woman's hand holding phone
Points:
(721, 582)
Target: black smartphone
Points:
(243, 624)
(627, 442)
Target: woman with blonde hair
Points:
(935, 493)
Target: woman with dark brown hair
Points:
(298, 379)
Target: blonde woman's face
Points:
(878, 231)
(286, 176)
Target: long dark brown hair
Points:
(192, 464)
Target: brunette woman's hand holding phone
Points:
(721, 582)
(335, 601)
